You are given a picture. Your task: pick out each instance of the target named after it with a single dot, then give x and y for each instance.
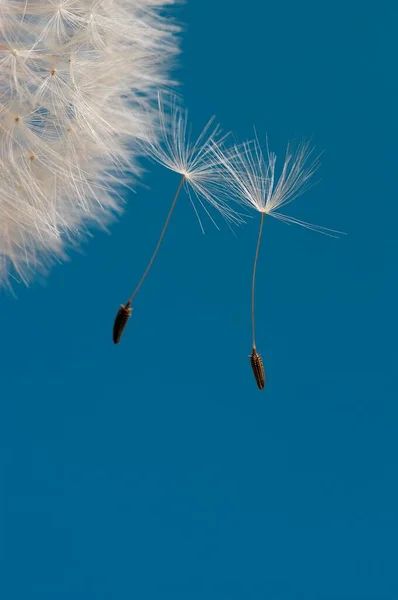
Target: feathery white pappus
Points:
(78, 80)
(195, 159)
(253, 179)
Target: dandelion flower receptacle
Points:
(252, 177)
(196, 163)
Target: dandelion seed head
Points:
(78, 86)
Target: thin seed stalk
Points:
(141, 281)
(124, 312)
(256, 361)
(260, 233)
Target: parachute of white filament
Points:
(256, 185)
(194, 158)
(78, 85)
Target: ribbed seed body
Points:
(258, 368)
(123, 315)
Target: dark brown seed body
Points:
(123, 315)
(258, 368)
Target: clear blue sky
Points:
(156, 470)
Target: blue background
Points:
(156, 469)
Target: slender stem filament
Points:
(141, 281)
(254, 276)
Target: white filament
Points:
(252, 176)
(174, 148)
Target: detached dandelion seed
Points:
(196, 163)
(253, 180)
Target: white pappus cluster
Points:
(78, 85)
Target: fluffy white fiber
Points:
(78, 87)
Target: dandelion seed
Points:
(253, 180)
(123, 315)
(258, 369)
(195, 162)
